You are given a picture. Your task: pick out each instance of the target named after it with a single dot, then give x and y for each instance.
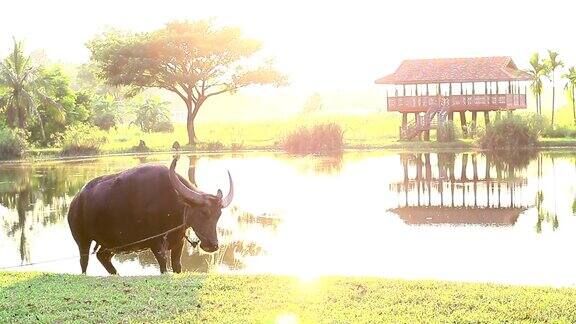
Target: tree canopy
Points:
(25, 87)
(195, 60)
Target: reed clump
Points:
(316, 139)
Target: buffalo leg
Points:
(105, 257)
(84, 249)
(160, 255)
(175, 255)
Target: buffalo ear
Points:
(219, 194)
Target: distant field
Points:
(360, 131)
(368, 130)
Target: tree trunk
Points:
(190, 127)
(21, 118)
(553, 95)
(539, 102)
(573, 108)
(193, 108)
(41, 124)
(11, 117)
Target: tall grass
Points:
(12, 143)
(82, 140)
(322, 138)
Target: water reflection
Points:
(320, 164)
(446, 215)
(37, 197)
(230, 255)
(546, 216)
(460, 189)
(33, 198)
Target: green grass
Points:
(27, 297)
(358, 130)
(374, 131)
(364, 131)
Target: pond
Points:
(452, 216)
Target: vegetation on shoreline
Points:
(321, 138)
(264, 136)
(26, 297)
(511, 132)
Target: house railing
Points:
(477, 102)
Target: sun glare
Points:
(287, 319)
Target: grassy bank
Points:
(246, 299)
(359, 131)
(376, 131)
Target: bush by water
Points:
(322, 138)
(82, 140)
(511, 132)
(13, 143)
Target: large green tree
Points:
(25, 89)
(70, 110)
(195, 60)
(553, 63)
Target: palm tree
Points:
(570, 87)
(536, 72)
(24, 88)
(552, 63)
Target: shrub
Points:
(322, 138)
(106, 112)
(537, 123)
(82, 140)
(13, 143)
(211, 146)
(510, 132)
(559, 132)
(105, 121)
(153, 115)
(163, 127)
(236, 146)
(447, 132)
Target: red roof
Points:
(476, 69)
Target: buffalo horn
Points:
(182, 189)
(228, 199)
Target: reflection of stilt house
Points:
(434, 89)
(469, 190)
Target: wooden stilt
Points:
(475, 178)
(404, 125)
(486, 118)
(463, 176)
(474, 120)
(463, 123)
(417, 122)
(428, 167)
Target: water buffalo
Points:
(131, 206)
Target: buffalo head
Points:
(203, 210)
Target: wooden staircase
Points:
(426, 122)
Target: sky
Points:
(323, 46)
